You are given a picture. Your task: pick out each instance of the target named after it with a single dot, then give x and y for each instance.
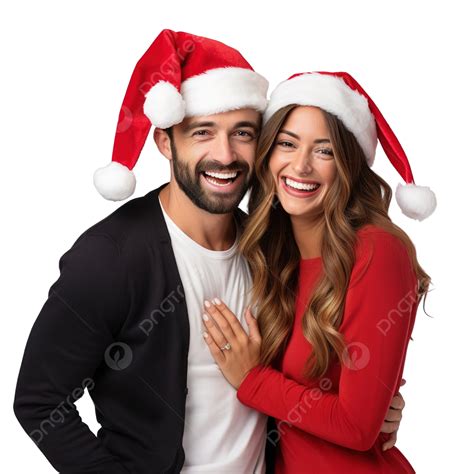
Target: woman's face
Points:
(302, 161)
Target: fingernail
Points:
(216, 301)
(207, 304)
(205, 335)
(205, 317)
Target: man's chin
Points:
(221, 204)
(212, 200)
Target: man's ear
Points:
(163, 142)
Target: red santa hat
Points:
(179, 75)
(340, 94)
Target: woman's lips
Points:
(296, 192)
(299, 180)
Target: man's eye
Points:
(200, 133)
(285, 144)
(244, 133)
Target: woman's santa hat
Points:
(180, 75)
(340, 94)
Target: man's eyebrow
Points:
(246, 123)
(194, 125)
(317, 141)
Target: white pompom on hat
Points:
(180, 75)
(340, 94)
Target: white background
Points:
(65, 68)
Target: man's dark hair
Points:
(169, 132)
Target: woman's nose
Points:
(302, 163)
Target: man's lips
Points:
(222, 179)
(222, 174)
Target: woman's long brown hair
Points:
(358, 197)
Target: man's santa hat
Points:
(180, 75)
(340, 94)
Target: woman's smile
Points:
(298, 187)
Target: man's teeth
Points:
(230, 175)
(303, 186)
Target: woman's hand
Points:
(393, 419)
(235, 352)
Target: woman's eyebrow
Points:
(291, 134)
(294, 135)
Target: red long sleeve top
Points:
(332, 424)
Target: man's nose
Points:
(223, 151)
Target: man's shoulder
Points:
(134, 221)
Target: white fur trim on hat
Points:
(164, 105)
(333, 95)
(224, 89)
(115, 181)
(416, 202)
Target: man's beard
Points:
(190, 184)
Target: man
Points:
(124, 318)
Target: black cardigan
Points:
(115, 322)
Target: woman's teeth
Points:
(300, 186)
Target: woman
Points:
(336, 282)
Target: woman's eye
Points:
(285, 144)
(326, 151)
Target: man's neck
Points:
(212, 231)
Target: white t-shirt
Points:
(221, 435)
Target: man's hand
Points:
(393, 418)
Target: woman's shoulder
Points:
(376, 242)
(373, 232)
(381, 259)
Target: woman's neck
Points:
(308, 235)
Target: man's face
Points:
(213, 158)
